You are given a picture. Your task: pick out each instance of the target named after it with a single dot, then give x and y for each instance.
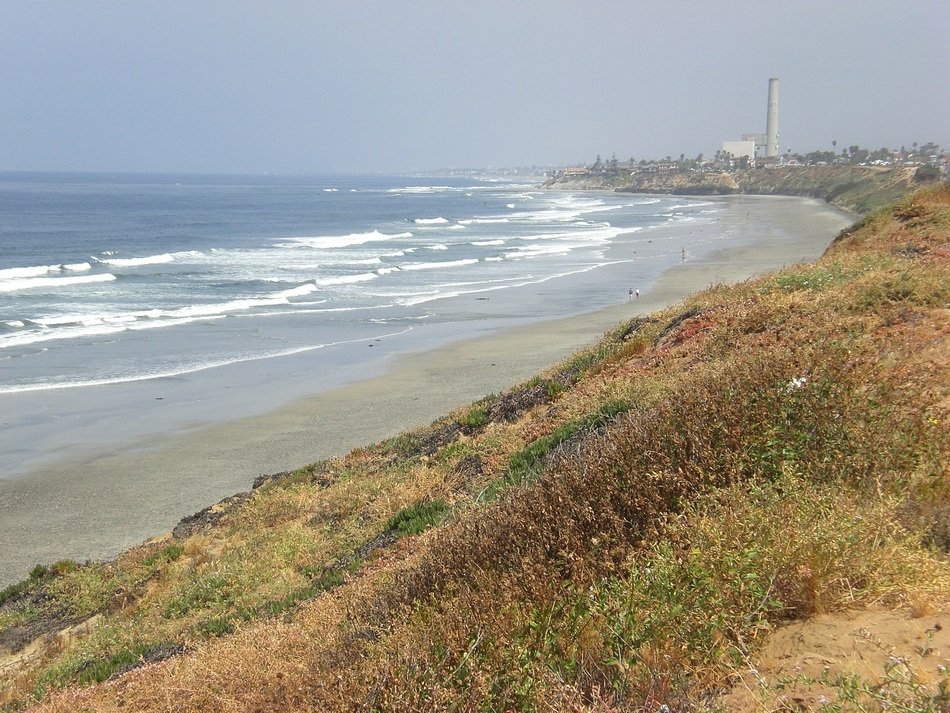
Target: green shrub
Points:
(207, 591)
(97, 671)
(526, 463)
(93, 668)
(475, 418)
(417, 518)
(215, 626)
(14, 589)
(166, 554)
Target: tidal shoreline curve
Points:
(100, 503)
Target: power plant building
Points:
(759, 140)
(752, 145)
(738, 149)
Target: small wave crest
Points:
(438, 265)
(484, 221)
(32, 283)
(345, 279)
(421, 189)
(13, 273)
(162, 259)
(325, 242)
(69, 326)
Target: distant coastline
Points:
(859, 189)
(153, 483)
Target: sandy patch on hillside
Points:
(890, 651)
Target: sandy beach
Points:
(97, 503)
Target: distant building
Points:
(759, 140)
(738, 149)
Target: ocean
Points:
(110, 280)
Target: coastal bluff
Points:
(737, 502)
(859, 189)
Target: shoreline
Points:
(101, 503)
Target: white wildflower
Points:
(797, 383)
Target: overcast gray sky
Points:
(285, 86)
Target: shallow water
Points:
(132, 305)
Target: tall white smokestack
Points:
(771, 125)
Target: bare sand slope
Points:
(803, 666)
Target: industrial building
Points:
(739, 149)
(755, 146)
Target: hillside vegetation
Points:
(859, 189)
(626, 532)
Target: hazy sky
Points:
(284, 86)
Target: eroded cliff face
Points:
(692, 183)
(855, 188)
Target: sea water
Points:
(110, 280)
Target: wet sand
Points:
(95, 504)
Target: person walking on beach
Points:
(637, 293)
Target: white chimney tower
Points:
(771, 124)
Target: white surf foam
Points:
(438, 265)
(484, 221)
(421, 189)
(71, 326)
(345, 279)
(325, 242)
(298, 291)
(14, 273)
(33, 283)
(138, 261)
(534, 251)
